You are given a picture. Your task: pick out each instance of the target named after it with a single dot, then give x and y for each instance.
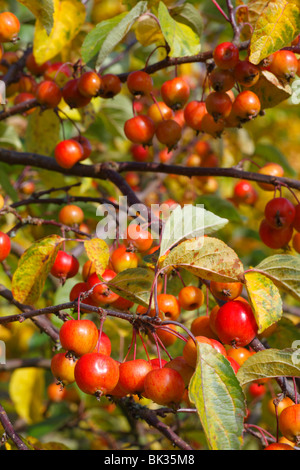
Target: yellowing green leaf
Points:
(284, 271)
(219, 399)
(207, 258)
(270, 363)
(43, 10)
(26, 390)
(33, 268)
(69, 16)
(276, 27)
(270, 90)
(98, 252)
(182, 39)
(148, 32)
(265, 300)
(43, 132)
(134, 285)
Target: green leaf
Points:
(43, 10)
(134, 285)
(219, 400)
(6, 184)
(219, 205)
(276, 27)
(190, 16)
(9, 137)
(284, 271)
(43, 132)
(269, 153)
(182, 40)
(188, 222)
(33, 268)
(109, 33)
(265, 300)
(98, 252)
(269, 364)
(114, 113)
(284, 335)
(207, 258)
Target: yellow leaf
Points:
(26, 390)
(69, 16)
(265, 300)
(148, 32)
(43, 132)
(98, 252)
(276, 27)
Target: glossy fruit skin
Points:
(55, 393)
(59, 73)
(140, 130)
(296, 242)
(139, 83)
(87, 270)
(139, 153)
(240, 355)
(226, 290)
(222, 80)
(275, 238)
(34, 68)
(194, 113)
(169, 305)
(246, 105)
(168, 338)
(233, 364)
(62, 368)
(123, 304)
(280, 213)
(190, 298)
(175, 93)
(278, 446)
(48, 94)
(168, 132)
(72, 95)
(65, 266)
(101, 294)
(257, 390)
(79, 337)
(85, 144)
(246, 74)
(133, 374)
(96, 374)
(5, 246)
(70, 215)
(296, 223)
(164, 386)
(226, 55)
(159, 111)
(89, 84)
(211, 127)
(78, 289)
(289, 423)
(122, 259)
(103, 345)
(141, 239)
(9, 27)
(201, 327)
(244, 193)
(67, 153)
(235, 323)
(23, 98)
(190, 350)
(110, 86)
(180, 364)
(156, 364)
(284, 65)
(270, 169)
(219, 105)
(284, 403)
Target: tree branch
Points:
(9, 430)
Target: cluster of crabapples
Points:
(281, 222)
(86, 359)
